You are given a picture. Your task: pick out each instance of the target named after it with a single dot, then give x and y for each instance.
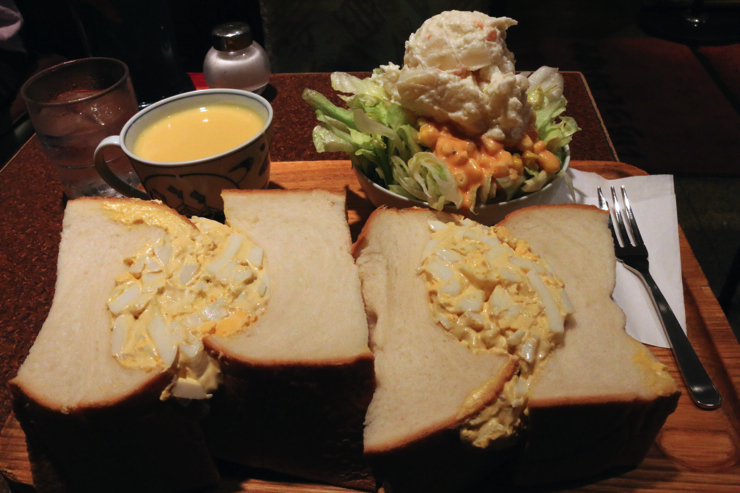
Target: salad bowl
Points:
(488, 214)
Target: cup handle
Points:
(110, 178)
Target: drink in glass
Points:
(75, 105)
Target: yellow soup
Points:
(197, 133)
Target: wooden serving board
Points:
(695, 451)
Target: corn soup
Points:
(197, 133)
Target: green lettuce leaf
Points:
(545, 93)
(381, 140)
(425, 177)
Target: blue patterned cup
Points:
(193, 188)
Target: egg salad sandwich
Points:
(297, 384)
(501, 344)
(159, 321)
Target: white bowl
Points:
(488, 214)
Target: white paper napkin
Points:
(653, 201)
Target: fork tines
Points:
(622, 232)
(631, 217)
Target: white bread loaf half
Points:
(296, 384)
(423, 375)
(597, 402)
(601, 398)
(92, 425)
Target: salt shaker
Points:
(236, 61)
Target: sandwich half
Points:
(297, 383)
(423, 375)
(602, 397)
(90, 423)
(579, 414)
(172, 340)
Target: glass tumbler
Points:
(75, 105)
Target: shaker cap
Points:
(231, 36)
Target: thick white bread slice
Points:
(601, 398)
(315, 309)
(92, 419)
(297, 384)
(423, 374)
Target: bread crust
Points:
(151, 203)
(437, 459)
(301, 415)
(305, 420)
(241, 366)
(137, 444)
(361, 242)
(157, 380)
(584, 439)
(439, 462)
(563, 207)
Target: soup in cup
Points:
(189, 147)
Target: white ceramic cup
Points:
(193, 188)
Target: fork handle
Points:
(701, 389)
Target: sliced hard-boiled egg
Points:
(186, 285)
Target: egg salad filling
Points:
(189, 284)
(491, 292)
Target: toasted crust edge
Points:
(141, 442)
(301, 419)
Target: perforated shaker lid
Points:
(231, 36)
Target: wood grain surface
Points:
(695, 451)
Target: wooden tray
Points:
(695, 451)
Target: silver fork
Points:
(634, 255)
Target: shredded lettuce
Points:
(535, 183)
(545, 93)
(353, 131)
(381, 140)
(425, 177)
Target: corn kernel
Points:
(504, 157)
(447, 148)
(539, 146)
(525, 144)
(492, 146)
(529, 159)
(516, 163)
(428, 135)
(548, 162)
(486, 162)
(459, 160)
(499, 170)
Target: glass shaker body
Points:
(247, 69)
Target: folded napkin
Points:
(653, 201)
